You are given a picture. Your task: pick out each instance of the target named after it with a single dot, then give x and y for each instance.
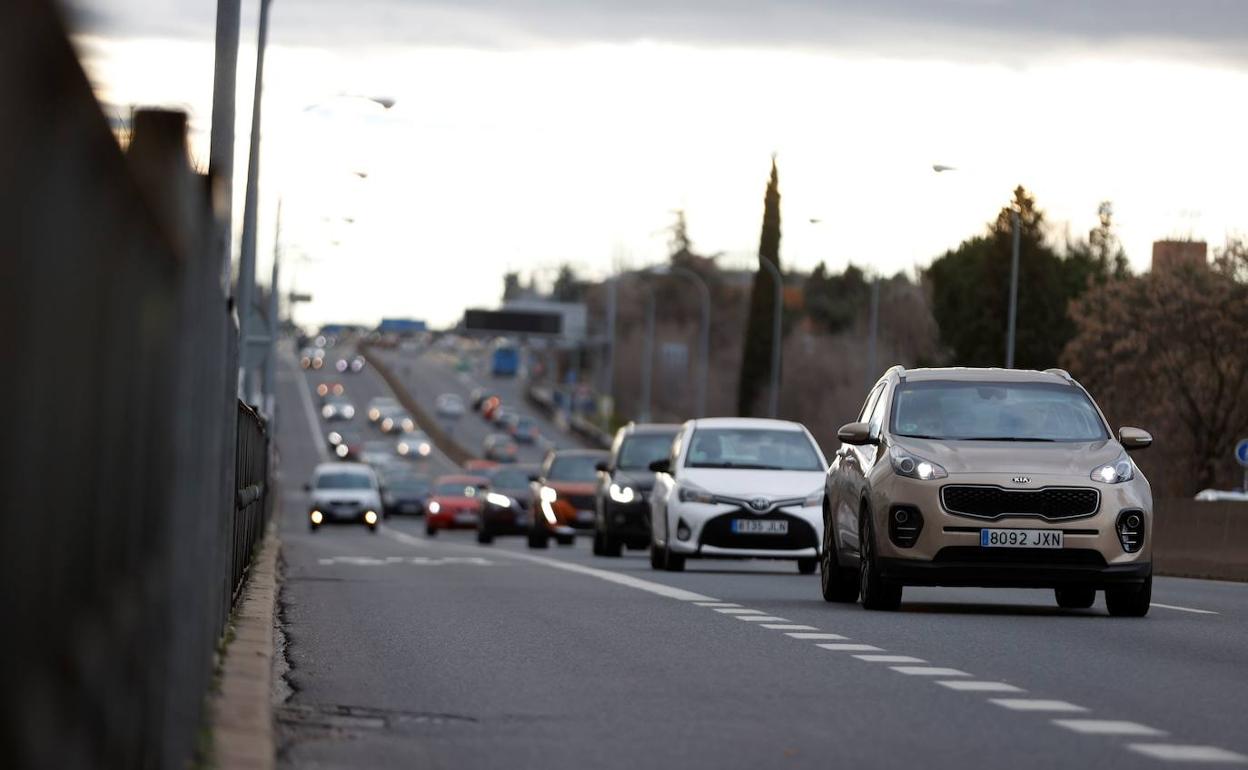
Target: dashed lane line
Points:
(1107, 727)
(759, 618)
(805, 635)
(889, 659)
(849, 647)
(716, 604)
(963, 685)
(1036, 704)
(1184, 609)
(788, 627)
(1178, 752)
(738, 610)
(928, 671)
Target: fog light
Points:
(370, 518)
(905, 523)
(682, 530)
(1130, 528)
(316, 517)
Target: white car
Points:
(450, 405)
(738, 487)
(347, 492)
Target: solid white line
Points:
(1178, 752)
(839, 647)
(1036, 704)
(965, 686)
(1106, 727)
(829, 637)
(890, 659)
(739, 610)
(301, 384)
(928, 671)
(1184, 609)
(787, 627)
(753, 618)
(716, 604)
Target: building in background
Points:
(1168, 255)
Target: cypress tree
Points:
(756, 360)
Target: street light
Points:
(773, 408)
(704, 344)
(1012, 322)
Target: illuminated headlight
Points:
(387, 425)
(335, 438)
(434, 507)
(423, 450)
(622, 494)
(1116, 472)
(341, 365)
(548, 495)
(695, 495)
(548, 512)
(327, 411)
(502, 501)
(370, 517)
(814, 499)
(403, 448)
(914, 467)
(409, 424)
(374, 414)
(348, 411)
(316, 516)
(341, 450)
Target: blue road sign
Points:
(1241, 452)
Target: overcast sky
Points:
(531, 132)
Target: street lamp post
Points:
(221, 141)
(647, 358)
(872, 360)
(704, 344)
(773, 408)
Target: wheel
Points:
(430, 531)
(837, 583)
(484, 537)
(657, 558)
(1075, 597)
(673, 562)
(807, 566)
(598, 543)
(565, 539)
(372, 528)
(612, 547)
(877, 594)
(537, 538)
(314, 527)
(1130, 601)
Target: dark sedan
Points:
(622, 513)
(403, 492)
(506, 507)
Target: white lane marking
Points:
(1184, 609)
(1107, 727)
(738, 610)
(829, 637)
(753, 618)
(928, 671)
(1179, 752)
(314, 424)
(976, 686)
(658, 589)
(716, 604)
(838, 647)
(434, 561)
(890, 659)
(1036, 704)
(788, 627)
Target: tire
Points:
(598, 538)
(837, 583)
(484, 537)
(673, 562)
(372, 528)
(877, 594)
(430, 531)
(657, 559)
(314, 527)
(1075, 597)
(537, 538)
(565, 539)
(1130, 601)
(807, 566)
(612, 547)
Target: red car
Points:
(454, 503)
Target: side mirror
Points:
(857, 433)
(661, 466)
(602, 467)
(1134, 438)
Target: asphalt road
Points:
(414, 652)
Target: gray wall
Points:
(1193, 538)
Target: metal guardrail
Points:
(252, 503)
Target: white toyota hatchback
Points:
(737, 487)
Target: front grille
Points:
(718, 532)
(970, 554)
(987, 502)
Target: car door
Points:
(868, 455)
(851, 479)
(664, 488)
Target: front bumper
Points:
(711, 532)
(445, 519)
(504, 521)
(626, 520)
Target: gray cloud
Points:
(1002, 30)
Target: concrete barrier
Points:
(1193, 538)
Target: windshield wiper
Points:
(742, 466)
(1006, 438)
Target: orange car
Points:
(454, 503)
(563, 496)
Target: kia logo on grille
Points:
(1021, 480)
(760, 503)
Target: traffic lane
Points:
(1177, 672)
(360, 388)
(535, 667)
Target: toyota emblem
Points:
(1021, 480)
(760, 503)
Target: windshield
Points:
(765, 449)
(457, 489)
(341, 480)
(641, 449)
(417, 485)
(995, 411)
(511, 478)
(574, 468)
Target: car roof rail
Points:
(901, 372)
(1065, 375)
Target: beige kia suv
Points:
(986, 477)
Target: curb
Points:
(241, 721)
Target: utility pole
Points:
(647, 359)
(270, 350)
(609, 368)
(704, 343)
(872, 360)
(247, 258)
(221, 142)
(1009, 343)
(777, 318)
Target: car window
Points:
(509, 478)
(876, 419)
(759, 448)
(573, 468)
(457, 489)
(1000, 411)
(641, 449)
(343, 480)
(869, 403)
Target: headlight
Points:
(434, 507)
(814, 499)
(548, 495)
(911, 466)
(317, 517)
(335, 438)
(1118, 471)
(348, 411)
(409, 425)
(402, 448)
(370, 517)
(341, 450)
(502, 501)
(374, 414)
(327, 411)
(695, 495)
(387, 425)
(423, 450)
(622, 494)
